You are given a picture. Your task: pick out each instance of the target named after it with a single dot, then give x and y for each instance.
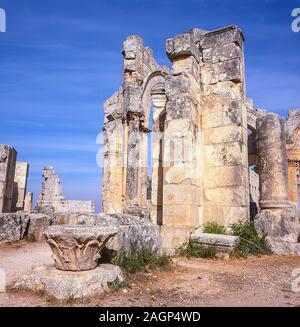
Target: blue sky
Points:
(60, 60)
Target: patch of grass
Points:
(250, 242)
(140, 259)
(116, 285)
(195, 250)
(214, 228)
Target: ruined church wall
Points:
(224, 124)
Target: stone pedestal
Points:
(66, 285)
(78, 248)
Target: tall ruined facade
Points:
(201, 126)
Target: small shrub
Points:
(197, 251)
(250, 242)
(141, 259)
(116, 284)
(214, 228)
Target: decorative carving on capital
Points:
(77, 247)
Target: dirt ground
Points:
(264, 281)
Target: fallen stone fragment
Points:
(66, 285)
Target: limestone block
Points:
(28, 202)
(182, 45)
(224, 176)
(13, 226)
(222, 134)
(223, 71)
(224, 243)
(174, 237)
(180, 215)
(66, 285)
(219, 112)
(20, 185)
(177, 174)
(233, 196)
(132, 99)
(285, 248)
(224, 215)
(78, 247)
(281, 225)
(37, 225)
(222, 53)
(227, 35)
(223, 154)
(181, 194)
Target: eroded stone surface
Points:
(132, 232)
(52, 200)
(78, 247)
(280, 224)
(13, 227)
(66, 285)
(8, 156)
(223, 243)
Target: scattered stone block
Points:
(66, 285)
(37, 225)
(13, 227)
(285, 248)
(225, 243)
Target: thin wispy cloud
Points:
(60, 60)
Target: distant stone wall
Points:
(52, 200)
(20, 186)
(8, 156)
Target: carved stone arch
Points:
(153, 85)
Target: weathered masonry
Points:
(13, 180)
(203, 140)
(52, 200)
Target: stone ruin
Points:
(13, 180)
(52, 200)
(17, 218)
(214, 156)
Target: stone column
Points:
(137, 151)
(272, 162)
(159, 105)
(8, 157)
(20, 185)
(293, 181)
(28, 202)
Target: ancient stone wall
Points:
(224, 124)
(52, 199)
(293, 154)
(20, 186)
(8, 157)
(205, 134)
